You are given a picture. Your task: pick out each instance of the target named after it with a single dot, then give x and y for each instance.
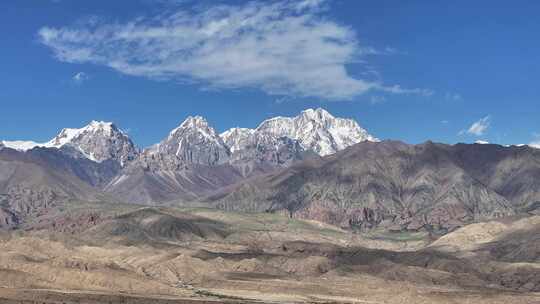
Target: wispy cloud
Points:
(80, 77)
(479, 127)
(384, 51)
(397, 89)
(376, 99)
(453, 96)
(286, 48)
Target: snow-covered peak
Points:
(236, 132)
(102, 125)
(97, 141)
(194, 141)
(195, 122)
(94, 128)
(236, 138)
(319, 114)
(19, 145)
(481, 142)
(64, 137)
(317, 130)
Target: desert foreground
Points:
(94, 253)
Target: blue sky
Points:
(449, 71)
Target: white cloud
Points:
(373, 51)
(80, 77)
(304, 4)
(397, 89)
(479, 127)
(452, 96)
(283, 48)
(376, 99)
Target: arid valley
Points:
(139, 254)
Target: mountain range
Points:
(312, 166)
(390, 184)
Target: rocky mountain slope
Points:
(432, 187)
(191, 160)
(194, 161)
(31, 182)
(193, 142)
(248, 145)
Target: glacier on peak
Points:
(314, 129)
(97, 141)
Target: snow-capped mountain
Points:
(315, 130)
(183, 165)
(193, 142)
(98, 141)
(20, 145)
(250, 145)
(237, 138)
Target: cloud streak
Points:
(479, 127)
(283, 48)
(80, 77)
(397, 89)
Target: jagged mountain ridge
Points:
(263, 147)
(398, 186)
(193, 160)
(178, 165)
(98, 141)
(315, 130)
(190, 161)
(193, 142)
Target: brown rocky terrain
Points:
(430, 187)
(90, 252)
